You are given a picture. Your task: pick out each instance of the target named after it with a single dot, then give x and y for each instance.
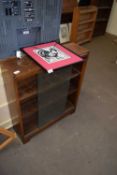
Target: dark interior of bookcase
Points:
(43, 92)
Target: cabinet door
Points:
(53, 91)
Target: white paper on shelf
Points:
(16, 72)
(50, 71)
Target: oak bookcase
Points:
(28, 90)
(83, 24)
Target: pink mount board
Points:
(70, 58)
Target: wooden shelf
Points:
(102, 20)
(69, 107)
(29, 112)
(29, 91)
(60, 80)
(30, 123)
(86, 30)
(34, 129)
(28, 95)
(58, 97)
(28, 87)
(83, 24)
(86, 21)
(30, 106)
(84, 41)
(72, 89)
(104, 7)
(69, 6)
(87, 9)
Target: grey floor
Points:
(84, 143)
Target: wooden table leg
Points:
(11, 136)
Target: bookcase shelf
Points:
(52, 101)
(26, 114)
(85, 30)
(104, 7)
(60, 79)
(87, 21)
(28, 95)
(30, 124)
(72, 89)
(31, 131)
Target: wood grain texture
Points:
(68, 6)
(83, 24)
(25, 87)
(10, 137)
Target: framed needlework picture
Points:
(64, 33)
(51, 55)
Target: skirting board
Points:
(111, 35)
(9, 123)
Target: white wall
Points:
(7, 118)
(112, 24)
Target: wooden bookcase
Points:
(27, 89)
(104, 9)
(83, 24)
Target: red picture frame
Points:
(52, 55)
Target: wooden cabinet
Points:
(68, 6)
(83, 24)
(42, 98)
(104, 9)
(67, 10)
